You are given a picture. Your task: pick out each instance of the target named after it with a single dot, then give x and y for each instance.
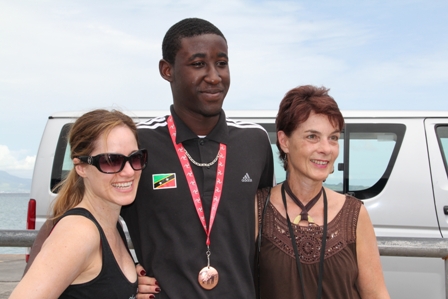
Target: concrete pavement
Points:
(11, 271)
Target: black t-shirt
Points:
(168, 237)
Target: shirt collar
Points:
(219, 133)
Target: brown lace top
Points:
(279, 276)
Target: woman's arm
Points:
(256, 216)
(70, 252)
(370, 280)
(43, 234)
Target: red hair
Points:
(296, 107)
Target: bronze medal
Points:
(208, 278)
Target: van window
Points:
(62, 163)
(335, 179)
(279, 172)
(367, 155)
(442, 135)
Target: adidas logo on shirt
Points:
(246, 178)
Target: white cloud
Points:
(15, 164)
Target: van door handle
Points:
(445, 210)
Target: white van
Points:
(394, 161)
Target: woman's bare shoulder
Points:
(74, 230)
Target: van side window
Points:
(335, 179)
(279, 172)
(442, 135)
(62, 163)
(367, 155)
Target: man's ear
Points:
(165, 69)
(283, 140)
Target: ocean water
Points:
(13, 210)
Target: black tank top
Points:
(111, 283)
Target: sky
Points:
(81, 55)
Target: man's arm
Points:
(267, 178)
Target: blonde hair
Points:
(82, 138)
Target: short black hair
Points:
(186, 28)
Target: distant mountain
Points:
(13, 184)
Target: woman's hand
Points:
(147, 286)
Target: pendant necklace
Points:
(208, 276)
(296, 251)
(305, 208)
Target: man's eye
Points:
(223, 63)
(198, 64)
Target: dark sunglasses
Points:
(114, 163)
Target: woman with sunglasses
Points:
(315, 242)
(86, 254)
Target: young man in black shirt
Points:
(193, 221)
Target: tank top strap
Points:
(104, 242)
(350, 215)
(81, 212)
(262, 196)
(87, 214)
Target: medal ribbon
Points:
(180, 150)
